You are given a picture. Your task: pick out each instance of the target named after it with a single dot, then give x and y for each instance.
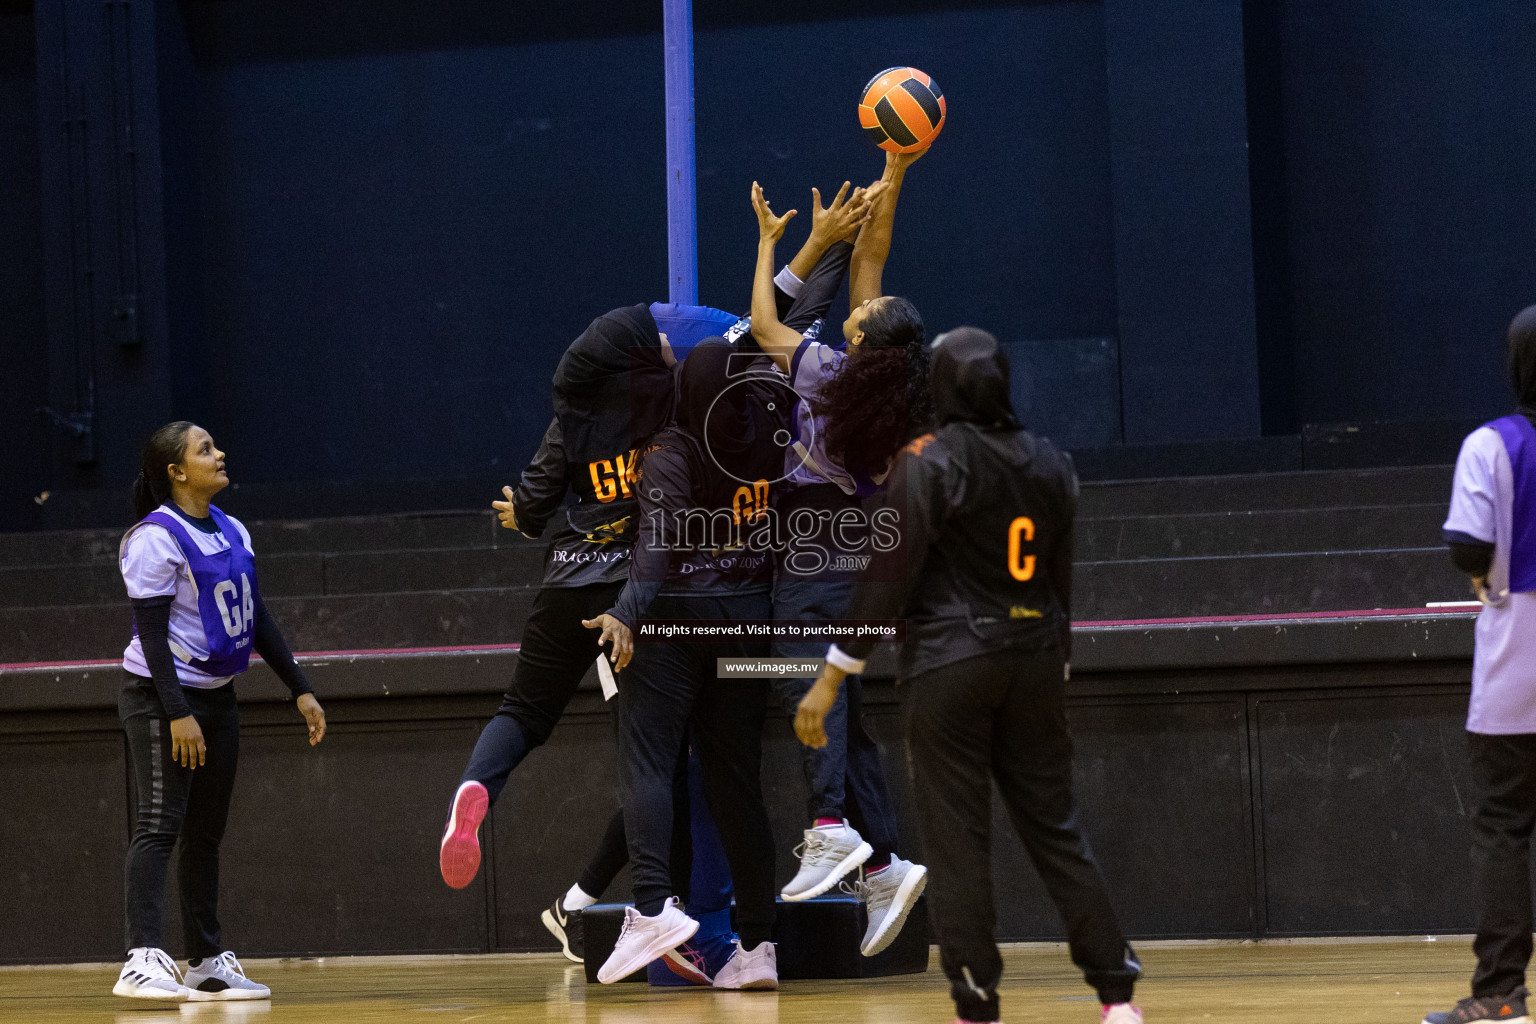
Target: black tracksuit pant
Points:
(669, 686)
(175, 803)
(557, 650)
(1002, 717)
(1505, 768)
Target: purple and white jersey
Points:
(153, 565)
(1488, 489)
(806, 460)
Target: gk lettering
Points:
(611, 477)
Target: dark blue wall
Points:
(23, 352)
(399, 243)
(1410, 148)
(382, 225)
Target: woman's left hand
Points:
(314, 716)
(768, 225)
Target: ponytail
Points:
(152, 487)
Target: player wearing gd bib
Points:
(191, 575)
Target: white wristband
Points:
(841, 659)
(788, 283)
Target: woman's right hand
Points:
(769, 227)
(504, 510)
(187, 748)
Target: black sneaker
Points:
(565, 925)
(1508, 1009)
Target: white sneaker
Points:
(828, 853)
(756, 969)
(1120, 1013)
(221, 977)
(643, 939)
(150, 973)
(889, 895)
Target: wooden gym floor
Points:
(1347, 982)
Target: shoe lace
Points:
(163, 960)
(814, 848)
(631, 915)
(229, 963)
(858, 888)
(877, 892)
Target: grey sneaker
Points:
(828, 853)
(750, 969)
(150, 973)
(1508, 1009)
(889, 895)
(222, 978)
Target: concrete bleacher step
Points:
(1412, 485)
(427, 530)
(1284, 542)
(298, 575)
(1258, 584)
(815, 939)
(1283, 531)
(494, 615)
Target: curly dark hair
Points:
(877, 400)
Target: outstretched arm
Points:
(772, 337)
(874, 244)
(839, 221)
(828, 224)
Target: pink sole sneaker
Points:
(459, 856)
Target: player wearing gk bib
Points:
(612, 390)
(191, 574)
(984, 579)
(1491, 530)
(853, 410)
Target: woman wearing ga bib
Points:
(191, 576)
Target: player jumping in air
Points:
(856, 407)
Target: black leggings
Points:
(669, 686)
(1002, 717)
(557, 650)
(189, 804)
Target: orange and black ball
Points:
(902, 109)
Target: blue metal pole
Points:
(682, 215)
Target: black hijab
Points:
(968, 379)
(1522, 359)
(714, 407)
(612, 388)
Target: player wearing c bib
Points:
(191, 574)
(983, 577)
